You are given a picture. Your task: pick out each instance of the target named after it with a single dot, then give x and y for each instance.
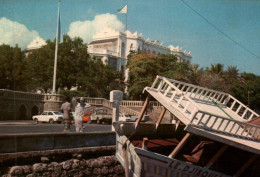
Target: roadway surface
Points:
(20, 127)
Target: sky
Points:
(215, 31)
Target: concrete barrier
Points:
(49, 141)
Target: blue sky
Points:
(169, 21)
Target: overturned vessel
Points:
(213, 135)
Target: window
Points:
(50, 113)
(44, 113)
(131, 46)
(123, 49)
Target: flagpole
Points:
(56, 52)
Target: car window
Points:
(57, 113)
(44, 113)
(50, 113)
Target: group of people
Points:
(77, 105)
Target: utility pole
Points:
(56, 51)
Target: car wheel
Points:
(98, 121)
(35, 121)
(51, 121)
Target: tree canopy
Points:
(144, 68)
(74, 69)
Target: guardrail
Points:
(181, 101)
(208, 95)
(18, 95)
(223, 125)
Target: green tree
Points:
(12, 67)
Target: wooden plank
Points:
(246, 165)
(160, 117)
(180, 145)
(142, 111)
(216, 156)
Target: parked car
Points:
(124, 117)
(100, 116)
(48, 116)
(131, 118)
(144, 119)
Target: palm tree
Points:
(232, 72)
(216, 69)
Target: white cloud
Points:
(86, 29)
(13, 33)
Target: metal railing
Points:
(207, 95)
(183, 97)
(220, 124)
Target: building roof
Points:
(103, 41)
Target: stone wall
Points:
(76, 167)
(87, 161)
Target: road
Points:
(16, 128)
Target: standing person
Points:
(65, 108)
(79, 111)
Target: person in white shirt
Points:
(79, 111)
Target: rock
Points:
(37, 167)
(73, 172)
(16, 170)
(64, 173)
(118, 169)
(97, 171)
(75, 164)
(45, 160)
(97, 163)
(50, 167)
(77, 156)
(27, 169)
(58, 168)
(66, 165)
(107, 161)
(105, 170)
(46, 174)
(82, 164)
(87, 171)
(55, 174)
(7, 175)
(111, 169)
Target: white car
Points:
(48, 116)
(124, 118)
(131, 118)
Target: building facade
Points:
(113, 47)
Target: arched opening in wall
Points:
(35, 110)
(22, 113)
(123, 49)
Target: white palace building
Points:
(113, 47)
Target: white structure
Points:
(113, 47)
(36, 43)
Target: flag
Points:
(123, 10)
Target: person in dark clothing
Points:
(65, 108)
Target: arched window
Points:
(35, 110)
(138, 49)
(22, 113)
(131, 46)
(123, 49)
